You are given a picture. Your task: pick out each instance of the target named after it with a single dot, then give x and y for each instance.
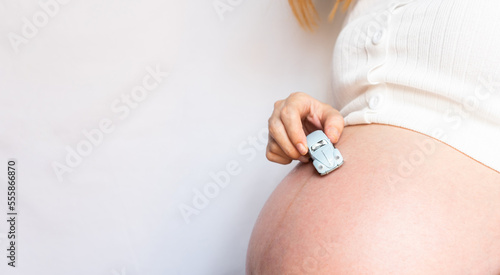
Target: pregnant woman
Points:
(417, 87)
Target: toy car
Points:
(325, 156)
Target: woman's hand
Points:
(295, 117)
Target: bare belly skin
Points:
(402, 203)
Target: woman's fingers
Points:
(273, 150)
(332, 121)
(274, 147)
(277, 158)
(297, 107)
(275, 153)
(287, 138)
(278, 132)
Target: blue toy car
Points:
(325, 156)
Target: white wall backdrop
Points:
(139, 129)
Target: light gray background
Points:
(118, 211)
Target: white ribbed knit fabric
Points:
(427, 65)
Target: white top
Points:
(427, 65)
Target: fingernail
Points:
(333, 132)
(302, 149)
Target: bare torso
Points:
(402, 203)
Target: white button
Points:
(377, 37)
(375, 102)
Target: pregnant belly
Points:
(402, 203)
